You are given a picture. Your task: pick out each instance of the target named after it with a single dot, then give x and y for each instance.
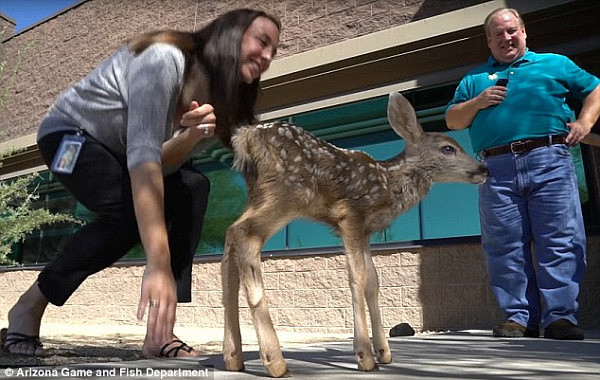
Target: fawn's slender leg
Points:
(251, 233)
(380, 343)
(354, 243)
(230, 279)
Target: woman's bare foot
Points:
(176, 348)
(24, 320)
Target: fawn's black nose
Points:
(479, 175)
(483, 170)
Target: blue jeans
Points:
(533, 199)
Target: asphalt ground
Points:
(101, 352)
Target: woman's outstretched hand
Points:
(159, 295)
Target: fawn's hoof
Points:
(234, 367)
(277, 368)
(234, 363)
(384, 356)
(368, 368)
(366, 363)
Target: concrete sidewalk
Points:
(469, 354)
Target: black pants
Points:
(100, 181)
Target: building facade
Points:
(336, 63)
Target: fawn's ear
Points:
(403, 119)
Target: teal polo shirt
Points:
(535, 103)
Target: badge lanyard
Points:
(67, 154)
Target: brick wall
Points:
(7, 25)
(432, 288)
(67, 47)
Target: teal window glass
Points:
(225, 204)
(448, 211)
(451, 209)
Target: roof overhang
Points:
(442, 43)
(422, 53)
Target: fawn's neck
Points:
(408, 181)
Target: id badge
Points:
(67, 153)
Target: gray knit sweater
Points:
(127, 103)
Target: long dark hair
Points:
(216, 47)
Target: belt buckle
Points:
(518, 147)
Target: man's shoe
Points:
(563, 329)
(512, 329)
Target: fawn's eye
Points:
(448, 149)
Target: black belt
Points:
(522, 146)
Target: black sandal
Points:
(8, 340)
(173, 352)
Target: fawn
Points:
(292, 174)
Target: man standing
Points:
(521, 126)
